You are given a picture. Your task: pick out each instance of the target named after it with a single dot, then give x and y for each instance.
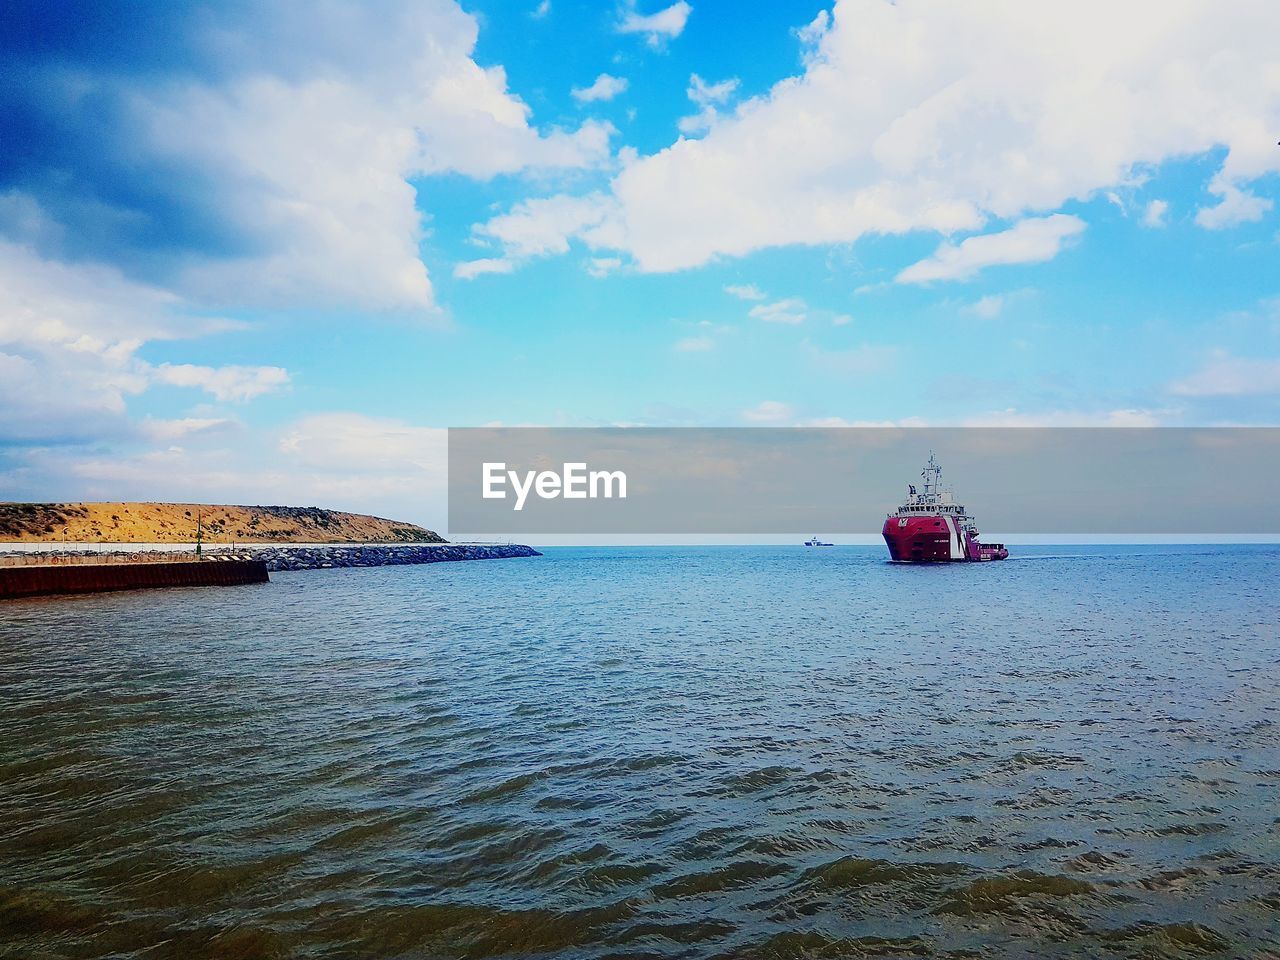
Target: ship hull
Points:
(935, 539)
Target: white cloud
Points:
(84, 308)
(666, 24)
(356, 459)
(541, 227)
(81, 401)
(778, 413)
(840, 422)
(1237, 206)
(342, 441)
(1028, 241)
(708, 97)
(300, 143)
(541, 10)
(475, 268)
(169, 431)
(841, 320)
(694, 345)
(793, 310)
(322, 171)
(235, 384)
(605, 87)
(69, 339)
(747, 291)
(1155, 214)
(827, 422)
(988, 307)
(769, 412)
(1067, 418)
(703, 93)
(811, 34)
(904, 119)
(600, 267)
(696, 123)
(1227, 376)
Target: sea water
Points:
(666, 752)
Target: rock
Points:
(317, 558)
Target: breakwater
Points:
(32, 580)
(324, 557)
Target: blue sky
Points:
(265, 252)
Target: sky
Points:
(267, 252)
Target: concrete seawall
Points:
(42, 580)
(316, 558)
(71, 571)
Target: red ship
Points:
(931, 527)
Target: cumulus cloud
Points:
(545, 226)
(1028, 241)
(1155, 214)
(605, 87)
(703, 93)
(747, 291)
(1224, 375)
(708, 97)
(988, 307)
(666, 24)
(476, 268)
(792, 310)
(70, 336)
(262, 154)
(1126, 417)
(351, 441)
(234, 384)
(600, 267)
(1237, 206)
(171, 431)
(830, 423)
(904, 119)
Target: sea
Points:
(674, 752)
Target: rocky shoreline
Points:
(282, 557)
(319, 558)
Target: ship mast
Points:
(930, 473)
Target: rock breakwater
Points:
(323, 557)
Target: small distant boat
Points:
(815, 542)
(931, 527)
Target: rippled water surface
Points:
(653, 752)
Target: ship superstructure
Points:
(932, 527)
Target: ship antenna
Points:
(930, 473)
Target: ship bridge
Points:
(932, 499)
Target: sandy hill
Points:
(176, 523)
